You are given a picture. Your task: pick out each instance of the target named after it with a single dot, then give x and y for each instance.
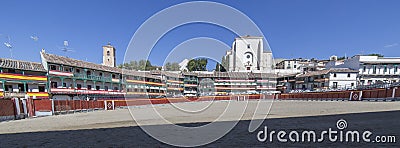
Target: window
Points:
(79, 86)
(53, 67)
(68, 69)
(21, 87)
(115, 88)
(100, 74)
(374, 69)
(64, 84)
(248, 68)
(106, 88)
(89, 87)
(385, 68)
(348, 75)
(334, 75)
(294, 66)
(113, 76)
(352, 84)
(108, 53)
(41, 88)
(395, 68)
(97, 87)
(8, 88)
(335, 84)
(78, 71)
(248, 46)
(88, 73)
(53, 84)
(364, 68)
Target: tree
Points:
(141, 65)
(219, 67)
(171, 66)
(175, 67)
(197, 64)
(375, 54)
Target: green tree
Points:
(141, 65)
(197, 64)
(375, 54)
(219, 67)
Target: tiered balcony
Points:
(92, 77)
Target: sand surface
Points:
(192, 113)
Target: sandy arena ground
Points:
(211, 111)
(118, 129)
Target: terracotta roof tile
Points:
(22, 65)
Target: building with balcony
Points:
(374, 69)
(75, 79)
(331, 79)
(231, 83)
(20, 79)
(190, 83)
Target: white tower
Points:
(109, 55)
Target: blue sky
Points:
(293, 28)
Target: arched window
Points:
(108, 53)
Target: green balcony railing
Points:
(92, 77)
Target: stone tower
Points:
(109, 55)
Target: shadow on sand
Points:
(380, 123)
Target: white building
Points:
(248, 55)
(335, 78)
(374, 69)
(293, 66)
(183, 64)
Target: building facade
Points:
(331, 79)
(248, 55)
(22, 79)
(374, 69)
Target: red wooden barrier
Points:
(42, 105)
(389, 93)
(397, 92)
(7, 108)
(381, 93)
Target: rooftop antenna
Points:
(65, 48)
(9, 46)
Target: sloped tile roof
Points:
(22, 65)
(51, 58)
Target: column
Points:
(25, 89)
(62, 81)
(74, 83)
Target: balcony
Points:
(92, 77)
(190, 80)
(14, 95)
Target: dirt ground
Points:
(117, 128)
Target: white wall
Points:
(342, 79)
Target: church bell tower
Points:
(109, 55)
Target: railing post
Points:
(351, 96)
(393, 92)
(52, 107)
(17, 108)
(113, 105)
